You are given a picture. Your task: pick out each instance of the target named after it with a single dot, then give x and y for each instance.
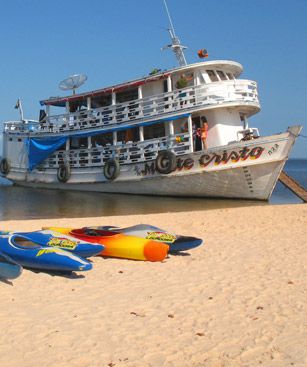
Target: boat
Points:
(180, 132)
(9, 269)
(120, 245)
(175, 242)
(55, 239)
(28, 253)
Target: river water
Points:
(26, 203)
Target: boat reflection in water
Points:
(26, 203)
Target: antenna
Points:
(73, 82)
(176, 47)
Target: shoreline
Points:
(237, 300)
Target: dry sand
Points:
(238, 300)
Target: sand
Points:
(238, 300)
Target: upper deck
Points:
(204, 85)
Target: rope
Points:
(303, 136)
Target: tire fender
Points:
(63, 173)
(5, 166)
(166, 162)
(111, 169)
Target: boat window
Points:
(129, 135)
(101, 101)
(221, 75)
(201, 77)
(102, 140)
(57, 110)
(185, 80)
(154, 131)
(75, 106)
(190, 79)
(127, 95)
(78, 143)
(230, 76)
(213, 77)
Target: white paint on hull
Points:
(246, 170)
(254, 182)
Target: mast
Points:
(18, 106)
(176, 46)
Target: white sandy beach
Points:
(238, 300)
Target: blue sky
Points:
(44, 41)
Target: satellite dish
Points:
(73, 82)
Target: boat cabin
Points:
(133, 121)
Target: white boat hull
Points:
(232, 183)
(245, 170)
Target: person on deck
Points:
(204, 134)
(196, 138)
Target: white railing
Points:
(217, 93)
(125, 152)
(21, 126)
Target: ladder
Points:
(293, 185)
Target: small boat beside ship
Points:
(179, 132)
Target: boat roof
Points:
(229, 66)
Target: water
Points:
(296, 168)
(26, 203)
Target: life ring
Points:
(63, 173)
(111, 169)
(4, 166)
(166, 162)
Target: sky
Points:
(43, 42)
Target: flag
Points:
(17, 105)
(202, 53)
